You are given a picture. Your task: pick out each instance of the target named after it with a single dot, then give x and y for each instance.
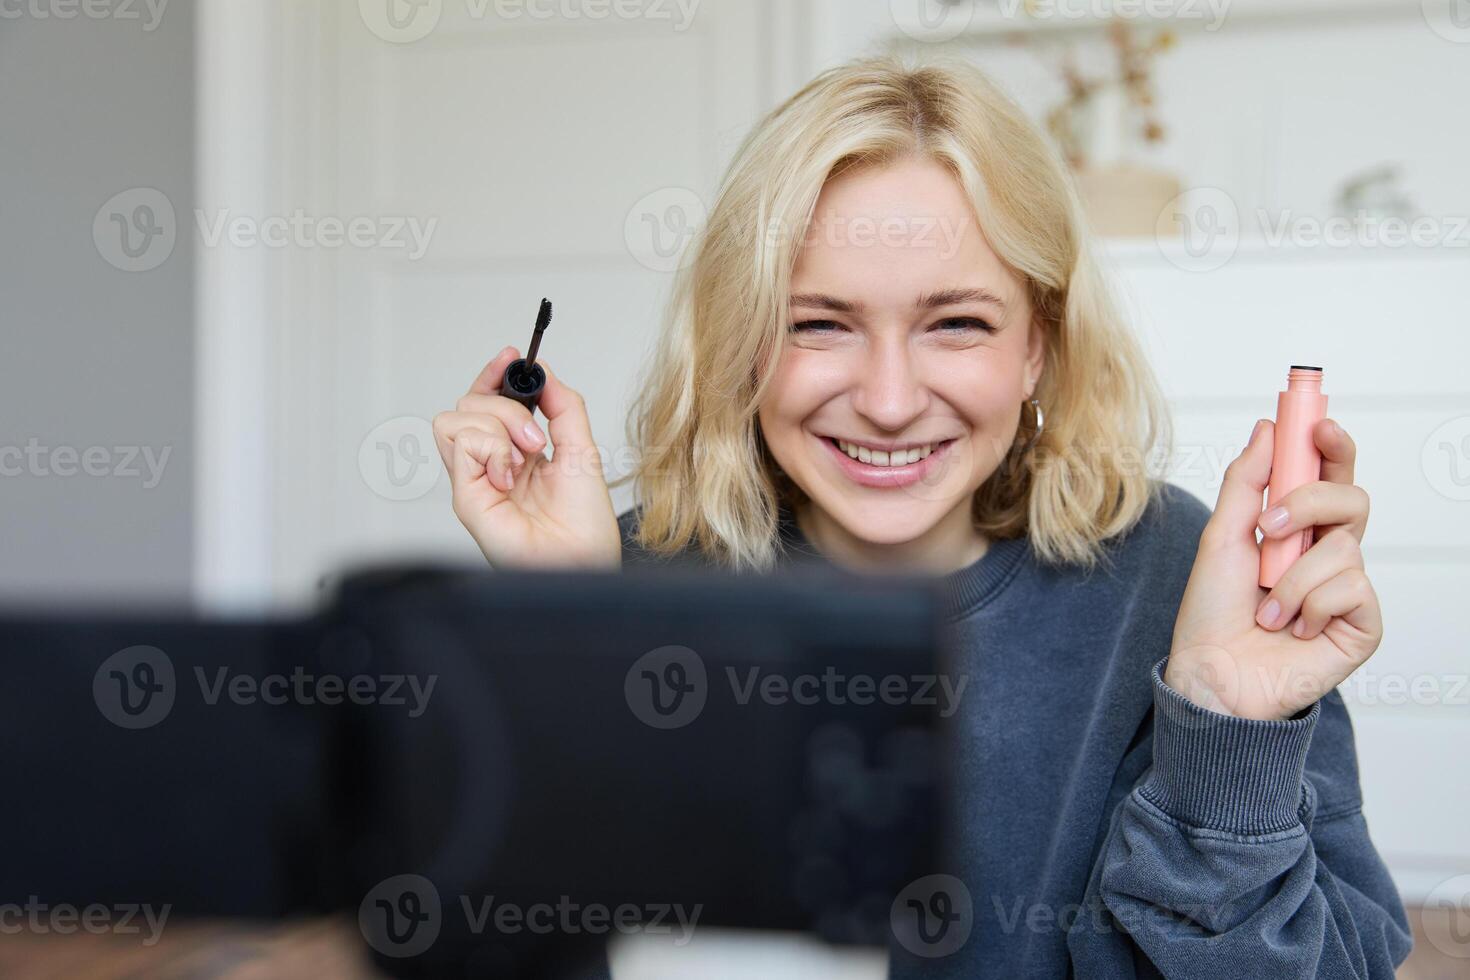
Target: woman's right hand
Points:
(523, 509)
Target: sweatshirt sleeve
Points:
(1241, 852)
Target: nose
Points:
(890, 393)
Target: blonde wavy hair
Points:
(705, 478)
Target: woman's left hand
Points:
(1236, 649)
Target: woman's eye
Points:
(816, 326)
(960, 324)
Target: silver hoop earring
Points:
(1040, 423)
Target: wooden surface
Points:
(330, 949)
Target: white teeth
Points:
(878, 457)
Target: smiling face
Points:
(911, 351)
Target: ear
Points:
(1035, 356)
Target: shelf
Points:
(991, 20)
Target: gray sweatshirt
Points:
(1111, 828)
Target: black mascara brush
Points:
(524, 379)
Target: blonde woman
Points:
(893, 350)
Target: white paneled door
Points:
(489, 154)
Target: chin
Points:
(894, 518)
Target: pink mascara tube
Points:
(1294, 461)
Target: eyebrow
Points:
(929, 301)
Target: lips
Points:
(878, 467)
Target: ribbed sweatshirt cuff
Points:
(1236, 775)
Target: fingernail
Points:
(1257, 430)
(510, 480)
(1299, 629)
(1337, 428)
(1268, 613)
(1274, 519)
(533, 434)
(515, 456)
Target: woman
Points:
(893, 350)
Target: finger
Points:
(1319, 504)
(482, 452)
(1348, 595)
(447, 425)
(1339, 452)
(566, 415)
(1239, 503)
(517, 418)
(487, 382)
(1338, 551)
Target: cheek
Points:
(985, 393)
(805, 380)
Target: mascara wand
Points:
(525, 379)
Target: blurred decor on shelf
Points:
(1102, 123)
(1375, 194)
